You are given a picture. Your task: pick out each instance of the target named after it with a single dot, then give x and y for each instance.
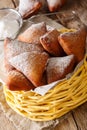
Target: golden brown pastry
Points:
(14, 47)
(74, 43)
(54, 5)
(28, 8)
(7, 55)
(59, 67)
(32, 65)
(33, 33)
(16, 81)
(50, 43)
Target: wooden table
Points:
(76, 119)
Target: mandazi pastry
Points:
(50, 43)
(37, 56)
(15, 47)
(32, 65)
(27, 8)
(59, 67)
(74, 43)
(54, 5)
(33, 33)
(16, 81)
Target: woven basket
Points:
(64, 97)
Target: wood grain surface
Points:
(6, 4)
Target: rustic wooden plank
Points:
(16, 3)
(79, 7)
(67, 124)
(80, 116)
(69, 19)
(6, 4)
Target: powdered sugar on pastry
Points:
(74, 43)
(32, 65)
(14, 47)
(55, 4)
(27, 7)
(33, 33)
(58, 67)
(50, 43)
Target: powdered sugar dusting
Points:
(26, 5)
(60, 63)
(33, 33)
(77, 35)
(15, 47)
(54, 2)
(31, 64)
(59, 67)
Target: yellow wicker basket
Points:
(64, 97)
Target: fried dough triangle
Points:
(59, 67)
(33, 33)
(16, 81)
(50, 43)
(54, 5)
(14, 47)
(32, 65)
(29, 7)
(74, 43)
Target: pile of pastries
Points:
(40, 56)
(27, 8)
